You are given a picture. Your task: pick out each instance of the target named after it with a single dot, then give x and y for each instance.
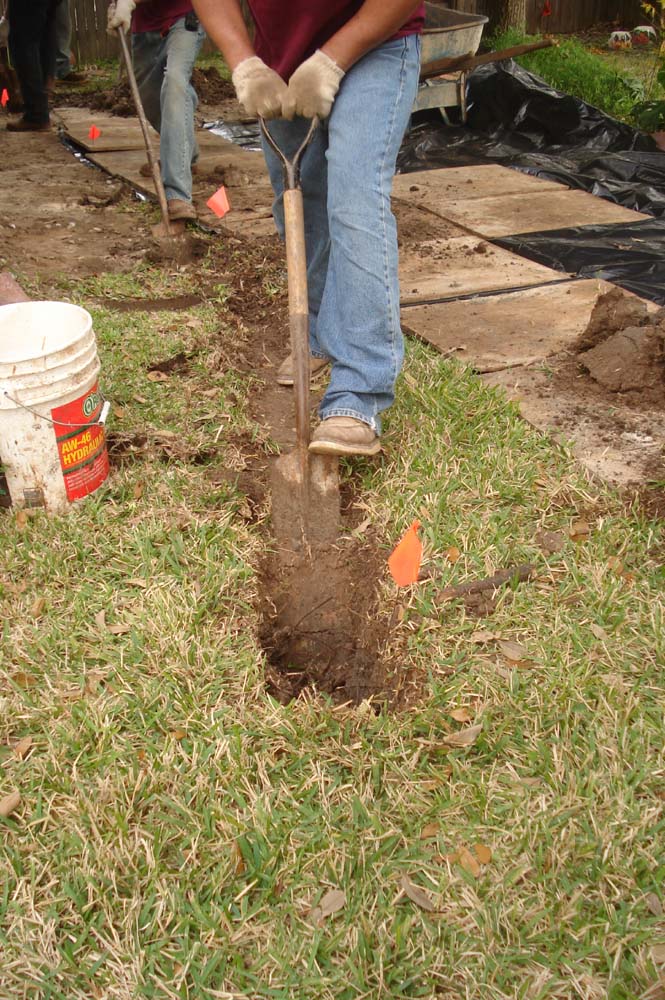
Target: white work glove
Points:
(260, 90)
(313, 87)
(119, 15)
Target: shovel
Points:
(305, 486)
(166, 228)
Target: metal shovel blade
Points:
(305, 508)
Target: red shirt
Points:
(159, 15)
(289, 31)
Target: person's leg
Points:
(359, 320)
(47, 49)
(289, 136)
(63, 40)
(178, 103)
(149, 60)
(27, 25)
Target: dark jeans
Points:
(32, 49)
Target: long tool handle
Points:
(145, 128)
(296, 260)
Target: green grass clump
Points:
(571, 68)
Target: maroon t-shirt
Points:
(159, 15)
(288, 31)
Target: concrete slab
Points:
(539, 211)
(463, 265)
(434, 188)
(116, 133)
(506, 330)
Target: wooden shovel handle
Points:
(296, 260)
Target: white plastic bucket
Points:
(52, 444)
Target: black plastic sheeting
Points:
(632, 256)
(517, 120)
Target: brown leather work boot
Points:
(285, 374)
(344, 436)
(179, 209)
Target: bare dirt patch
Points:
(322, 627)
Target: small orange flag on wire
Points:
(94, 133)
(404, 561)
(219, 202)
(4, 97)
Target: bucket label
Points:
(81, 444)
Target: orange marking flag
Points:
(4, 97)
(404, 561)
(94, 133)
(219, 202)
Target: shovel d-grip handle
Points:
(296, 265)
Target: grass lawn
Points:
(178, 828)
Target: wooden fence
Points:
(91, 43)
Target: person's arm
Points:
(376, 21)
(260, 90)
(314, 85)
(225, 25)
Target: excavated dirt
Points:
(322, 627)
(211, 88)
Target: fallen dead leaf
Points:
(598, 631)
(239, 865)
(513, 651)
(579, 530)
(135, 581)
(429, 831)
(461, 714)
(654, 904)
(37, 607)
(615, 564)
(333, 901)
(483, 853)
(468, 861)
(119, 629)
(178, 734)
(482, 636)
(452, 554)
(9, 804)
(93, 680)
(138, 491)
(463, 738)
(157, 376)
(657, 951)
(22, 748)
(416, 894)
(100, 619)
(21, 519)
(24, 680)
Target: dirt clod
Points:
(631, 359)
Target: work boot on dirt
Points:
(285, 374)
(344, 436)
(179, 209)
(22, 125)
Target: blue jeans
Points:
(63, 41)
(350, 230)
(163, 66)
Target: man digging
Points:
(166, 38)
(355, 66)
